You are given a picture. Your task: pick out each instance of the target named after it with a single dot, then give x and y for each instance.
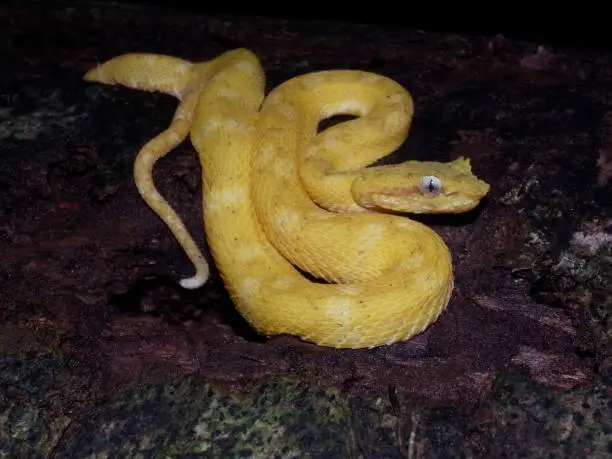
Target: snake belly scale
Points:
(279, 197)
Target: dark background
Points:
(575, 24)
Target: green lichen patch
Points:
(37, 398)
(527, 419)
(191, 418)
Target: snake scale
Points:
(281, 199)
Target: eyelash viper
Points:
(279, 197)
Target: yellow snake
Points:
(280, 198)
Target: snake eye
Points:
(430, 184)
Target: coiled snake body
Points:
(279, 196)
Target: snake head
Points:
(420, 187)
